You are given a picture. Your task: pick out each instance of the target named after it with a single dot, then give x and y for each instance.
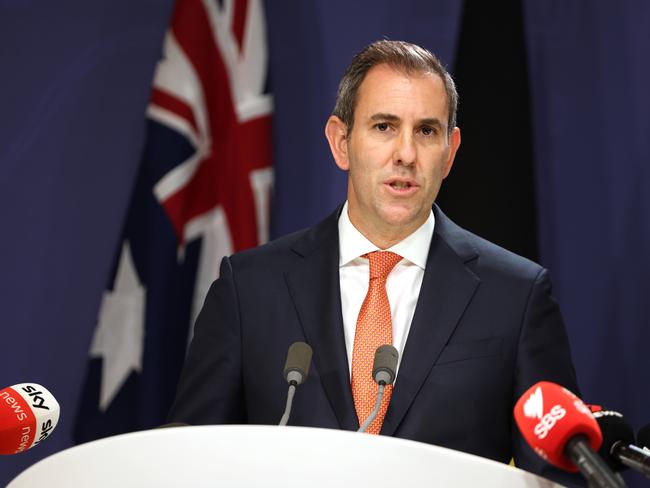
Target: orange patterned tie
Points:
(374, 328)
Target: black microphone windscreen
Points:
(615, 429)
(298, 360)
(385, 362)
(643, 437)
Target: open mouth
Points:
(400, 185)
(404, 186)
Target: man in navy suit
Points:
(474, 324)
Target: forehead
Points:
(387, 90)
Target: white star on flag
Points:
(119, 336)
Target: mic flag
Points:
(549, 416)
(28, 415)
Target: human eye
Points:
(382, 126)
(428, 130)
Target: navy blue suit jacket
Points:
(485, 329)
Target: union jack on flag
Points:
(202, 192)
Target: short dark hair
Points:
(399, 55)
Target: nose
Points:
(405, 150)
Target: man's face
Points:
(397, 153)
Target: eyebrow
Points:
(394, 118)
(434, 122)
(383, 116)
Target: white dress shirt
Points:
(402, 286)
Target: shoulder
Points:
(292, 248)
(482, 256)
(270, 252)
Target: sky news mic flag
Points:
(202, 192)
(28, 415)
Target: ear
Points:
(337, 135)
(454, 143)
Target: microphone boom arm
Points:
(375, 411)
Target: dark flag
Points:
(202, 192)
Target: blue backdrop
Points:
(591, 114)
(76, 81)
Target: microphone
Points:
(618, 449)
(643, 437)
(561, 429)
(383, 372)
(28, 415)
(296, 369)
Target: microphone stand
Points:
(375, 411)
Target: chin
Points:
(400, 218)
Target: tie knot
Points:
(382, 263)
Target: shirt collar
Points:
(353, 244)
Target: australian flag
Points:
(202, 192)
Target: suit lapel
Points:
(314, 288)
(447, 288)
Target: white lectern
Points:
(248, 455)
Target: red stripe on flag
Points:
(198, 196)
(255, 143)
(239, 22)
(171, 103)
